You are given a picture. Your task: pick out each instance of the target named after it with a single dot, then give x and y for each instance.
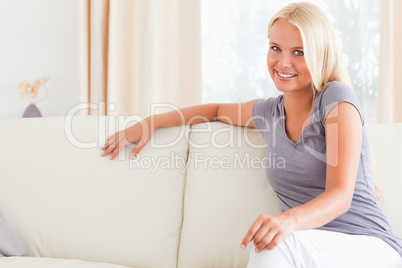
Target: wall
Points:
(38, 38)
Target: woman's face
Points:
(285, 58)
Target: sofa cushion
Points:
(35, 262)
(66, 201)
(386, 150)
(226, 190)
(10, 244)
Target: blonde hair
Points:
(322, 51)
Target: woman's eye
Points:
(299, 53)
(275, 48)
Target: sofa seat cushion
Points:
(35, 262)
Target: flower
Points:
(30, 91)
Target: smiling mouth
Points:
(285, 75)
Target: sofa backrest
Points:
(186, 205)
(386, 153)
(66, 201)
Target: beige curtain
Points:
(390, 74)
(135, 53)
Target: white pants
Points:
(325, 249)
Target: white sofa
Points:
(73, 208)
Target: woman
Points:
(330, 217)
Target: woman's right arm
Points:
(239, 114)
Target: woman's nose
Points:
(285, 61)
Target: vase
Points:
(32, 111)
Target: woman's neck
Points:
(298, 104)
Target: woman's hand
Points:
(139, 133)
(269, 230)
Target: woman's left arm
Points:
(343, 130)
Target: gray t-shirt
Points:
(297, 171)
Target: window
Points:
(235, 44)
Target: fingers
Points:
(267, 236)
(139, 133)
(122, 142)
(266, 232)
(261, 234)
(112, 145)
(141, 144)
(146, 136)
(110, 140)
(107, 145)
(251, 232)
(135, 151)
(108, 148)
(277, 239)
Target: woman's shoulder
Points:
(337, 91)
(268, 106)
(266, 110)
(338, 88)
(334, 93)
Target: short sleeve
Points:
(258, 113)
(263, 112)
(335, 93)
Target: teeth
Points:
(286, 75)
